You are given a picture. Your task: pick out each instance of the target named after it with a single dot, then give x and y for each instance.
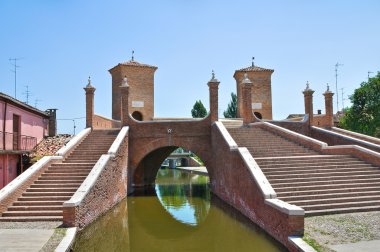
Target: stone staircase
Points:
(43, 200)
(320, 184)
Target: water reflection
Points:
(187, 198)
(190, 220)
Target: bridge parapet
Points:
(104, 187)
(240, 182)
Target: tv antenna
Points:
(343, 99)
(27, 94)
(14, 64)
(337, 65)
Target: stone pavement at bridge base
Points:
(24, 239)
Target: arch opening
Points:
(183, 194)
(137, 115)
(258, 115)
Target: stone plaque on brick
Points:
(137, 104)
(257, 105)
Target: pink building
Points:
(21, 128)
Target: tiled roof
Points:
(136, 64)
(255, 69)
(21, 104)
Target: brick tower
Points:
(140, 79)
(261, 90)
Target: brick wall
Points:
(109, 189)
(100, 122)
(233, 182)
(141, 89)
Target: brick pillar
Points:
(329, 106)
(308, 96)
(247, 100)
(124, 90)
(213, 85)
(90, 91)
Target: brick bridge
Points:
(266, 170)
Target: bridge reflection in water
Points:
(178, 214)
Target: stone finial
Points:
(328, 89)
(253, 61)
(133, 57)
(213, 79)
(124, 83)
(308, 89)
(89, 83)
(246, 80)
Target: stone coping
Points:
(65, 150)
(349, 138)
(285, 207)
(24, 177)
(259, 177)
(95, 172)
(118, 141)
(308, 141)
(89, 182)
(67, 241)
(370, 138)
(300, 244)
(226, 135)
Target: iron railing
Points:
(16, 141)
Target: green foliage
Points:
(199, 110)
(231, 111)
(364, 115)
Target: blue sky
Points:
(63, 42)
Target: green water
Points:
(178, 214)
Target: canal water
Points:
(178, 214)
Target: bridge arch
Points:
(148, 165)
(151, 142)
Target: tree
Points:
(231, 111)
(198, 111)
(364, 114)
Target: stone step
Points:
(58, 182)
(52, 185)
(67, 173)
(315, 191)
(79, 165)
(44, 198)
(325, 206)
(50, 177)
(37, 194)
(36, 208)
(342, 210)
(295, 163)
(329, 200)
(66, 170)
(53, 189)
(39, 203)
(31, 218)
(291, 187)
(32, 213)
(319, 168)
(330, 174)
(323, 180)
(93, 162)
(329, 195)
(280, 154)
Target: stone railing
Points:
(16, 187)
(242, 184)
(363, 137)
(104, 187)
(337, 138)
(360, 152)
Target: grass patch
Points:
(313, 243)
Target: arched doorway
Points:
(258, 115)
(137, 115)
